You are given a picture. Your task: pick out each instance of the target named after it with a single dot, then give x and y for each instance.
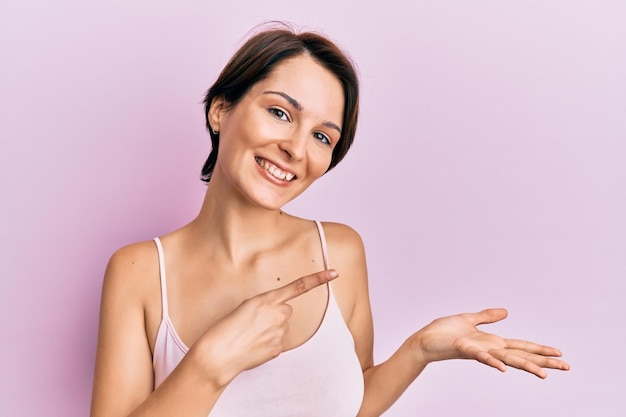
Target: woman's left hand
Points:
(457, 337)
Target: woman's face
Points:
(279, 138)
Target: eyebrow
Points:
(295, 103)
(332, 126)
(287, 97)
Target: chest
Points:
(199, 294)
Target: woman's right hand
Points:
(253, 333)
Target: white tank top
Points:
(321, 377)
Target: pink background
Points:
(489, 169)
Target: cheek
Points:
(320, 163)
(259, 130)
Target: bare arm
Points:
(123, 383)
(123, 380)
(453, 337)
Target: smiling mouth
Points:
(274, 170)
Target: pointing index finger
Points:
(302, 285)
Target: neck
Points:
(234, 228)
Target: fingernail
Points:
(332, 274)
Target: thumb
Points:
(490, 315)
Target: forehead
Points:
(318, 90)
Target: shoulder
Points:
(342, 240)
(130, 271)
(344, 243)
(135, 259)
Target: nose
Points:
(294, 147)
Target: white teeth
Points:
(274, 170)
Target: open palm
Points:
(457, 337)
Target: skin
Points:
(246, 280)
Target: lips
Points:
(274, 170)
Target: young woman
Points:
(247, 310)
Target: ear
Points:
(218, 107)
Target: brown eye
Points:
(322, 138)
(279, 114)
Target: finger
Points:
(490, 315)
(552, 363)
(530, 362)
(489, 360)
(531, 347)
(301, 286)
(521, 360)
(539, 360)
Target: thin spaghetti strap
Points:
(320, 230)
(164, 311)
